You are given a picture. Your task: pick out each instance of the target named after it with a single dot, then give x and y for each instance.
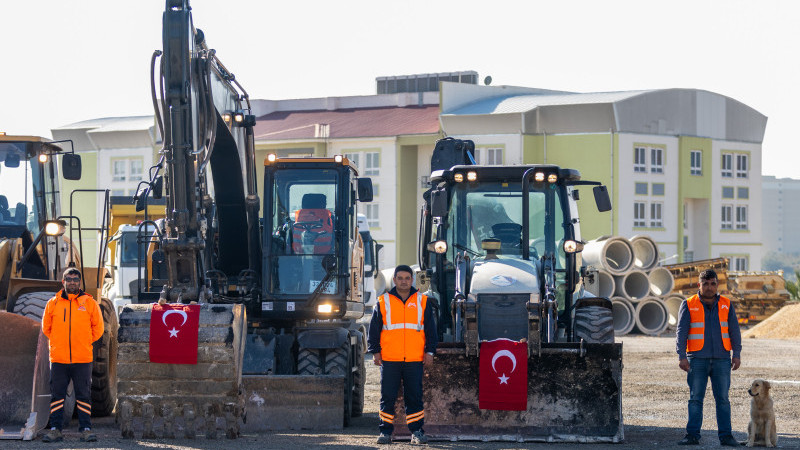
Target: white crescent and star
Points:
(504, 379)
(174, 331)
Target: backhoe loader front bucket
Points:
(574, 395)
(25, 376)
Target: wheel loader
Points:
(34, 252)
(500, 256)
(279, 345)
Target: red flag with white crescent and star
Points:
(503, 375)
(173, 333)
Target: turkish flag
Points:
(503, 376)
(173, 333)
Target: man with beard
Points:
(72, 321)
(708, 330)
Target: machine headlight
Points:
(55, 227)
(326, 308)
(472, 176)
(539, 176)
(43, 158)
(437, 247)
(338, 158)
(459, 177)
(552, 178)
(272, 157)
(571, 246)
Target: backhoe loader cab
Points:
(500, 246)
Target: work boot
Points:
(689, 440)
(88, 436)
(418, 437)
(54, 435)
(384, 439)
(728, 441)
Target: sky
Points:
(68, 61)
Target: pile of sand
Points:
(784, 324)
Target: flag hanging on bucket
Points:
(503, 375)
(173, 333)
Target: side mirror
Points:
(140, 200)
(158, 187)
(364, 189)
(376, 257)
(71, 166)
(439, 203)
(601, 198)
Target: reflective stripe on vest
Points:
(402, 339)
(696, 338)
(394, 326)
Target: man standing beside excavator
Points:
(72, 321)
(402, 337)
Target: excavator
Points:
(280, 294)
(34, 252)
(500, 256)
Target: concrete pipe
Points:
(602, 285)
(661, 281)
(673, 303)
(645, 252)
(624, 316)
(613, 254)
(380, 283)
(651, 316)
(388, 275)
(634, 285)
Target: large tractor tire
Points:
(359, 380)
(308, 361)
(594, 324)
(104, 370)
(339, 362)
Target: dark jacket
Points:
(376, 325)
(712, 347)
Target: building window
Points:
(655, 215)
(354, 158)
(685, 218)
(117, 192)
(727, 192)
(640, 188)
(372, 215)
(137, 166)
(639, 219)
(376, 189)
(726, 222)
(741, 166)
(658, 188)
(696, 163)
(639, 163)
(373, 166)
(477, 155)
(656, 160)
(743, 192)
(119, 170)
(741, 217)
(727, 165)
(494, 156)
(739, 263)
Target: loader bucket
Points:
(571, 398)
(293, 402)
(25, 374)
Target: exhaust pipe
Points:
(634, 285)
(624, 315)
(603, 285)
(645, 252)
(613, 254)
(661, 281)
(651, 316)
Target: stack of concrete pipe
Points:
(628, 273)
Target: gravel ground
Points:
(654, 408)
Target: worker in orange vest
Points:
(708, 330)
(72, 321)
(402, 337)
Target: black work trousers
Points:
(410, 373)
(81, 376)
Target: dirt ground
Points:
(654, 408)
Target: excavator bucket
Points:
(25, 374)
(293, 402)
(574, 395)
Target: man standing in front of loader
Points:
(708, 331)
(402, 336)
(72, 321)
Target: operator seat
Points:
(510, 235)
(312, 232)
(5, 214)
(20, 214)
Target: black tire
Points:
(104, 369)
(594, 324)
(308, 362)
(359, 380)
(339, 362)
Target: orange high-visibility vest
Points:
(697, 326)
(72, 323)
(403, 334)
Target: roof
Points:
(348, 123)
(111, 124)
(511, 104)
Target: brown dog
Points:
(761, 430)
